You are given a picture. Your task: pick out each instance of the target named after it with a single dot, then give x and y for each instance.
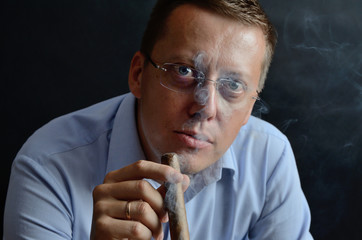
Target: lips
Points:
(193, 140)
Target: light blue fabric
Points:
(252, 192)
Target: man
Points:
(96, 172)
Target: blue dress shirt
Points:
(252, 192)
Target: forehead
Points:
(188, 22)
(225, 42)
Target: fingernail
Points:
(165, 218)
(161, 236)
(185, 182)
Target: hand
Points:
(126, 206)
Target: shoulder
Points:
(72, 130)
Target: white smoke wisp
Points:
(202, 95)
(170, 198)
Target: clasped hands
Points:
(126, 206)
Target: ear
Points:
(135, 74)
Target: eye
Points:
(234, 86)
(184, 71)
(179, 71)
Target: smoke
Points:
(202, 95)
(206, 95)
(197, 182)
(286, 124)
(317, 99)
(260, 108)
(171, 203)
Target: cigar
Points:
(174, 202)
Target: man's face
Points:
(199, 130)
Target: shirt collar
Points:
(125, 147)
(211, 174)
(229, 161)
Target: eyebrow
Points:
(235, 76)
(231, 74)
(181, 57)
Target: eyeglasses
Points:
(186, 79)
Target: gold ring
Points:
(128, 210)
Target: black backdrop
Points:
(60, 56)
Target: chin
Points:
(194, 162)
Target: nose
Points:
(205, 101)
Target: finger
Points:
(136, 211)
(185, 182)
(145, 169)
(133, 210)
(135, 190)
(141, 211)
(110, 228)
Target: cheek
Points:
(235, 113)
(159, 108)
(231, 124)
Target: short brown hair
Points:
(248, 12)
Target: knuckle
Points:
(140, 164)
(136, 229)
(143, 208)
(100, 207)
(142, 185)
(110, 176)
(102, 190)
(101, 224)
(98, 191)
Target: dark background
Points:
(60, 56)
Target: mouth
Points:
(193, 140)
